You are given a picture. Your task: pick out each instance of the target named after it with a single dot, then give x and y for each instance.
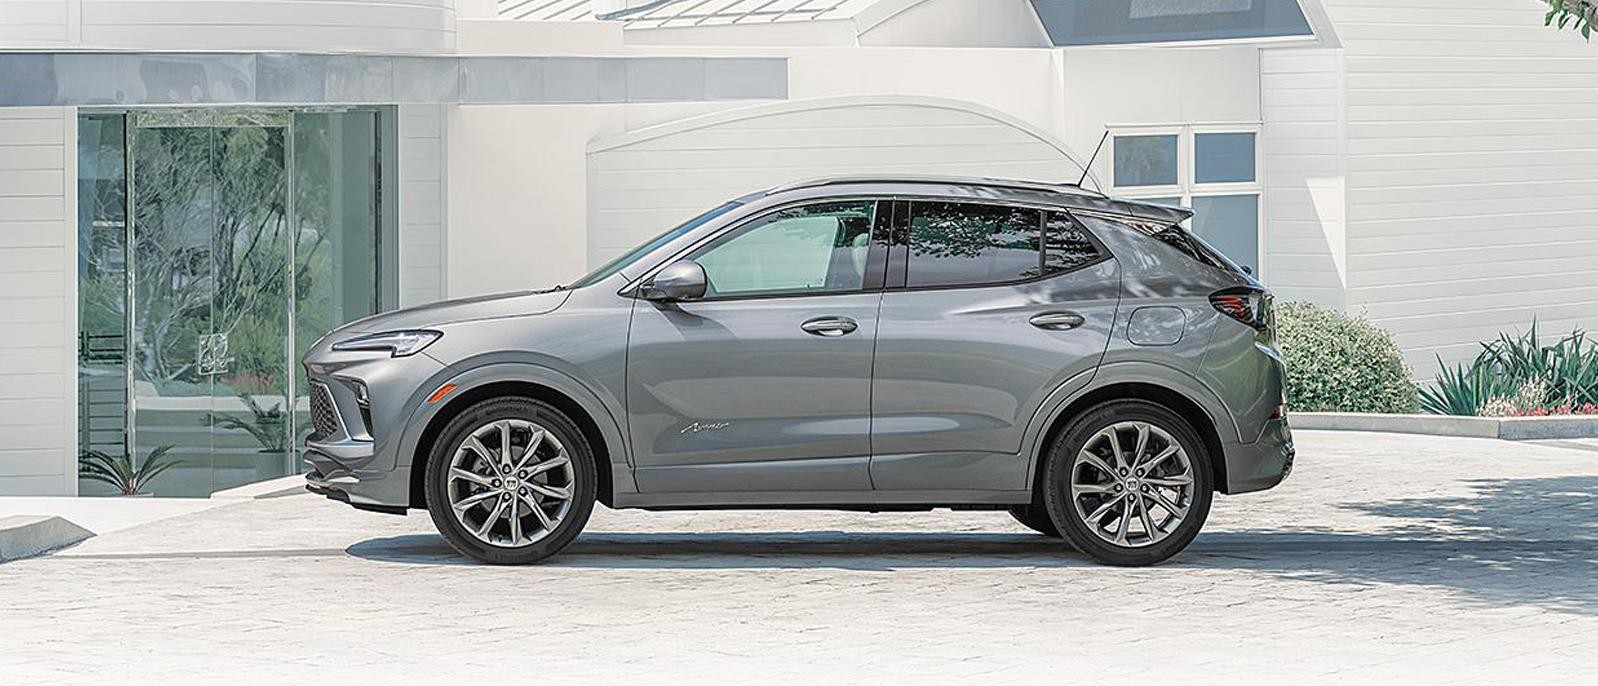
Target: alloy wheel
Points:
(1132, 484)
(510, 483)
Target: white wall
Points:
(518, 193)
(38, 301)
(1146, 86)
(642, 183)
(422, 203)
(352, 25)
(1305, 245)
(1472, 170)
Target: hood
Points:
(465, 309)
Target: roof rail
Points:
(933, 179)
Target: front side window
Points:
(811, 249)
(958, 244)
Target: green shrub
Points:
(1341, 363)
(1517, 375)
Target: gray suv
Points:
(876, 344)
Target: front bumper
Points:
(1262, 464)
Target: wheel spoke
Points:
(481, 450)
(549, 464)
(1173, 508)
(515, 521)
(1163, 456)
(1126, 522)
(1090, 489)
(471, 476)
(532, 447)
(557, 492)
(1097, 463)
(492, 518)
(467, 503)
(1142, 444)
(1115, 448)
(538, 512)
(1104, 509)
(1148, 522)
(1176, 481)
(504, 442)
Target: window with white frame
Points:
(1215, 170)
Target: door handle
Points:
(1057, 321)
(830, 327)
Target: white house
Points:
(167, 166)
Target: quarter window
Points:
(1067, 245)
(812, 249)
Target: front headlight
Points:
(397, 343)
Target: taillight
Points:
(1250, 306)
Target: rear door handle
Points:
(1057, 321)
(830, 327)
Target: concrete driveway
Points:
(1384, 557)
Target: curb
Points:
(293, 484)
(1506, 428)
(24, 536)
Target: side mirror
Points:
(683, 280)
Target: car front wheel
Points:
(1129, 483)
(510, 481)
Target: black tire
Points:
(583, 477)
(1074, 525)
(1035, 518)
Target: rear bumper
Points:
(1262, 464)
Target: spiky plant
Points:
(120, 472)
(267, 427)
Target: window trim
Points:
(898, 281)
(1187, 187)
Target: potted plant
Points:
(121, 473)
(268, 427)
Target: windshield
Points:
(620, 263)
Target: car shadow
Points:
(1508, 541)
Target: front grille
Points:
(324, 415)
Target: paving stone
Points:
(1385, 557)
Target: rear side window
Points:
(957, 244)
(969, 244)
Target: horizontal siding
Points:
(638, 189)
(37, 391)
(28, 23)
(421, 211)
(421, 26)
(1472, 139)
(1301, 94)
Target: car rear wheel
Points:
(1035, 518)
(1129, 483)
(510, 481)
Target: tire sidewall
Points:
(1057, 491)
(538, 412)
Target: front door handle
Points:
(830, 327)
(1057, 321)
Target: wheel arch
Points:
(598, 425)
(1160, 394)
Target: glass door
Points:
(210, 283)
